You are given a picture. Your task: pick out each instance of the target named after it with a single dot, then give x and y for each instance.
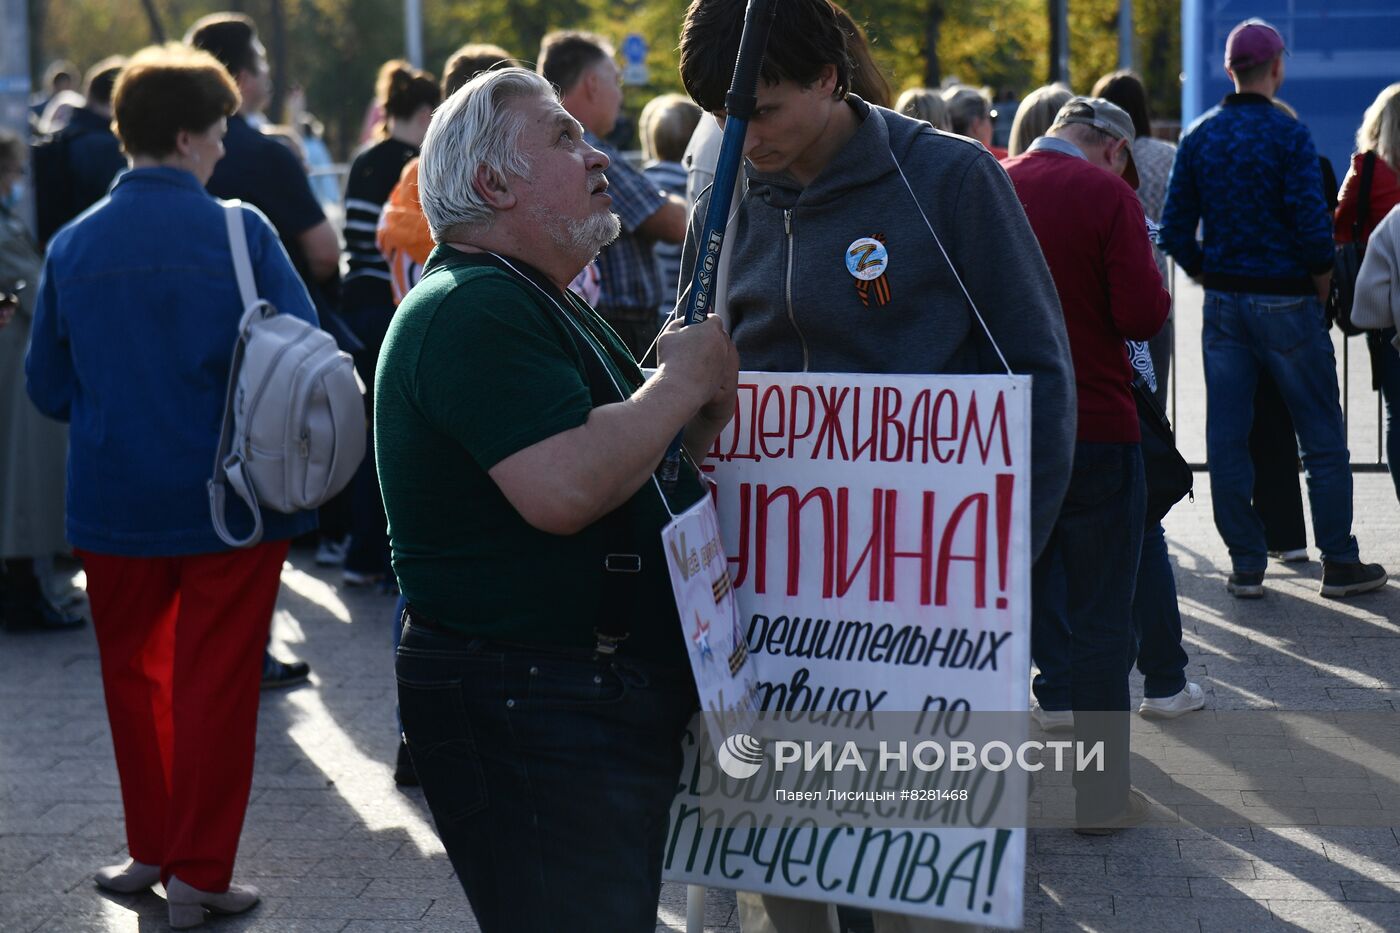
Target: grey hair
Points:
(474, 128)
(1035, 116)
(666, 125)
(925, 104)
(966, 105)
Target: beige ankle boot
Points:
(187, 905)
(128, 878)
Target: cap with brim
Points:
(1253, 42)
(1106, 117)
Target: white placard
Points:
(878, 537)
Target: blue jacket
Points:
(1249, 174)
(134, 328)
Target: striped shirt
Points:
(670, 177)
(631, 280)
(373, 175)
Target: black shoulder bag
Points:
(1169, 478)
(621, 566)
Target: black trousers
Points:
(1273, 446)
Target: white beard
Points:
(591, 235)
(581, 239)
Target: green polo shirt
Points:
(478, 365)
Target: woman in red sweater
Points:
(1379, 134)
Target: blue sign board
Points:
(1342, 53)
(634, 49)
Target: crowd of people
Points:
(493, 237)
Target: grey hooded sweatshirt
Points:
(794, 307)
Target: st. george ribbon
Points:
(739, 106)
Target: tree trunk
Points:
(1161, 68)
(280, 77)
(38, 10)
(933, 26)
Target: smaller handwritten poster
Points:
(714, 636)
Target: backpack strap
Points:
(238, 243)
(1363, 198)
(228, 463)
(622, 564)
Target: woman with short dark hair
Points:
(136, 320)
(1153, 158)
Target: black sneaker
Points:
(405, 775)
(34, 613)
(1246, 585)
(283, 673)
(1346, 578)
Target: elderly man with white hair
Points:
(543, 681)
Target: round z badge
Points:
(866, 259)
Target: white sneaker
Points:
(1053, 720)
(331, 553)
(358, 578)
(1190, 699)
(1296, 556)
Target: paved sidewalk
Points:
(336, 848)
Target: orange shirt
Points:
(403, 235)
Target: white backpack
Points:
(294, 418)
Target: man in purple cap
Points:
(1248, 174)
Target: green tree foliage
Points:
(1005, 44)
(515, 25)
(333, 48)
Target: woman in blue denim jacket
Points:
(135, 325)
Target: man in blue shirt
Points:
(258, 169)
(1248, 173)
(581, 65)
(79, 162)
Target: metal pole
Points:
(1175, 373)
(694, 909)
(413, 32)
(1059, 41)
(1125, 34)
(1380, 426)
(739, 105)
(1346, 389)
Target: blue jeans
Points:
(1082, 612)
(396, 630)
(1285, 335)
(1157, 621)
(1273, 450)
(549, 775)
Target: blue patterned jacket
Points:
(1248, 173)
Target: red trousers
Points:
(181, 640)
